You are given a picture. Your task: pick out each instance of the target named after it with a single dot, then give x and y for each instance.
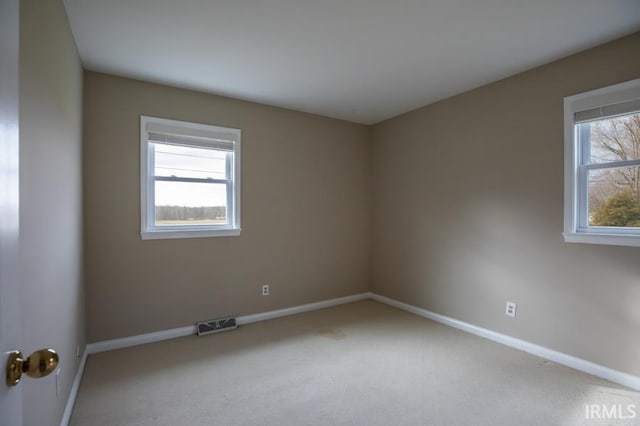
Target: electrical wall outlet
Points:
(510, 309)
(265, 289)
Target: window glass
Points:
(615, 139)
(614, 198)
(175, 160)
(187, 203)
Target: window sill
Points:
(604, 239)
(196, 233)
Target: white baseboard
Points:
(248, 319)
(576, 363)
(156, 336)
(140, 339)
(71, 401)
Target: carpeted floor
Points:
(358, 364)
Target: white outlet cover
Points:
(510, 309)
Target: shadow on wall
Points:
(500, 252)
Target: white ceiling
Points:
(359, 60)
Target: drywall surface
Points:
(50, 202)
(468, 213)
(306, 185)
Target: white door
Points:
(10, 294)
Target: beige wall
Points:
(305, 213)
(50, 201)
(468, 213)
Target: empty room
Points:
(356, 212)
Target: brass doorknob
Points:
(39, 364)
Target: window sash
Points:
(151, 190)
(228, 167)
(583, 206)
(610, 165)
(583, 142)
(188, 180)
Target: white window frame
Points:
(208, 134)
(576, 167)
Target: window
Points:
(602, 165)
(190, 179)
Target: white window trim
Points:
(148, 232)
(574, 232)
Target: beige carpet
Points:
(358, 364)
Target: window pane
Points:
(614, 197)
(189, 204)
(189, 162)
(615, 139)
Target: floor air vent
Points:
(216, 325)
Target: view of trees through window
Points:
(614, 193)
